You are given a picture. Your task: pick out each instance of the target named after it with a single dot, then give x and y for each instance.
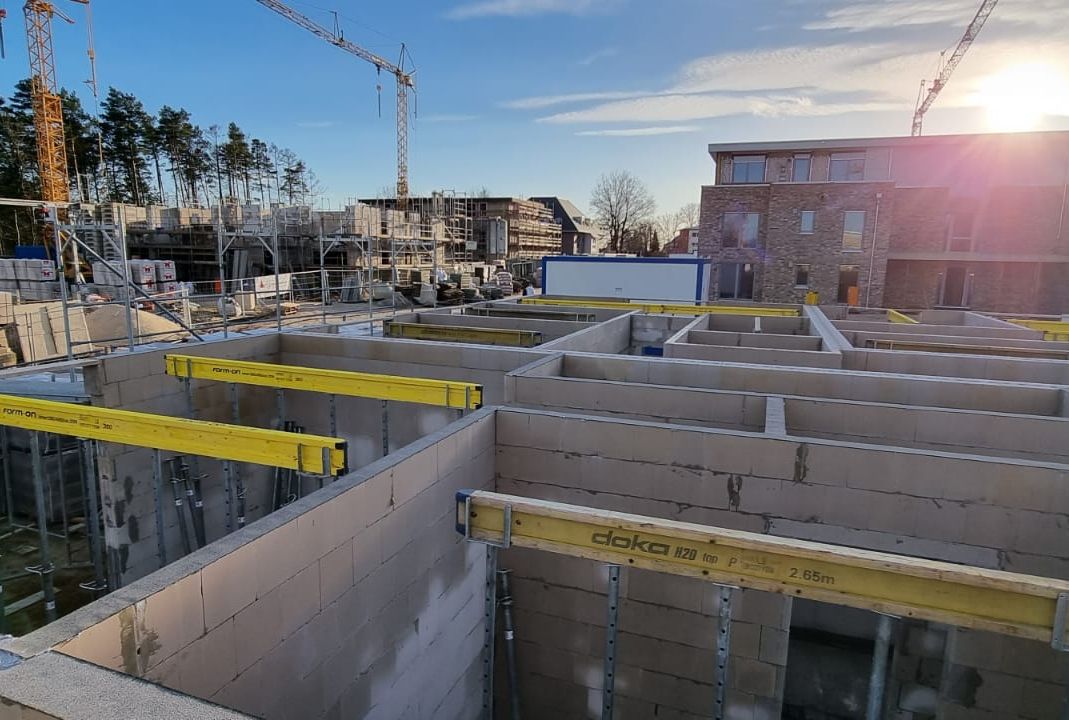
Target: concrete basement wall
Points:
(961, 431)
(655, 330)
(754, 355)
(1053, 372)
(857, 339)
(138, 382)
(754, 340)
(610, 337)
(749, 323)
(1023, 398)
(987, 512)
(1014, 331)
(357, 601)
(550, 329)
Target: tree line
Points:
(625, 209)
(131, 155)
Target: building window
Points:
(801, 275)
(961, 231)
(853, 227)
(748, 169)
(801, 167)
(740, 229)
(847, 167)
(736, 281)
(848, 289)
(809, 219)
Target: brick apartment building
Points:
(977, 221)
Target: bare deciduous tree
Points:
(689, 215)
(620, 202)
(670, 223)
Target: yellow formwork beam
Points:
(1009, 603)
(1051, 329)
(668, 308)
(425, 391)
(962, 349)
(897, 317)
(452, 333)
(312, 454)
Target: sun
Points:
(1018, 97)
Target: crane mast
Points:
(405, 84)
(948, 69)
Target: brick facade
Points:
(781, 245)
(975, 220)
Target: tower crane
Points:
(948, 69)
(47, 103)
(405, 83)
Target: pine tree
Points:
(123, 122)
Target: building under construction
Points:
(559, 508)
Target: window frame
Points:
(846, 157)
(808, 268)
(812, 215)
(748, 160)
(860, 233)
(740, 242)
(808, 157)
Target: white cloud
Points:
(876, 14)
(523, 8)
(544, 101)
(662, 108)
(598, 55)
(640, 131)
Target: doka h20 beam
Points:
(312, 454)
(1021, 605)
(449, 333)
(441, 393)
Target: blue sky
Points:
(540, 97)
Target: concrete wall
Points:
(357, 601)
(757, 356)
(655, 330)
(550, 329)
(964, 394)
(668, 625)
(993, 333)
(948, 430)
(754, 340)
(138, 382)
(612, 337)
(1053, 372)
(961, 508)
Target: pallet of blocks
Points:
(37, 330)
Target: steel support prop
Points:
(45, 569)
(608, 688)
(385, 428)
(723, 651)
(157, 500)
(489, 631)
(96, 546)
(510, 645)
(332, 400)
(878, 675)
(228, 494)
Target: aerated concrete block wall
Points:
(981, 511)
(610, 337)
(138, 382)
(360, 420)
(360, 600)
(550, 329)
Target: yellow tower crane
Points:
(47, 103)
(405, 83)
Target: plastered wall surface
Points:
(335, 606)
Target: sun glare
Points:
(1018, 97)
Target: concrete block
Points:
(774, 642)
(1000, 693)
(300, 599)
(259, 629)
(229, 584)
(745, 640)
(174, 616)
(753, 676)
(335, 573)
(277, 557)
